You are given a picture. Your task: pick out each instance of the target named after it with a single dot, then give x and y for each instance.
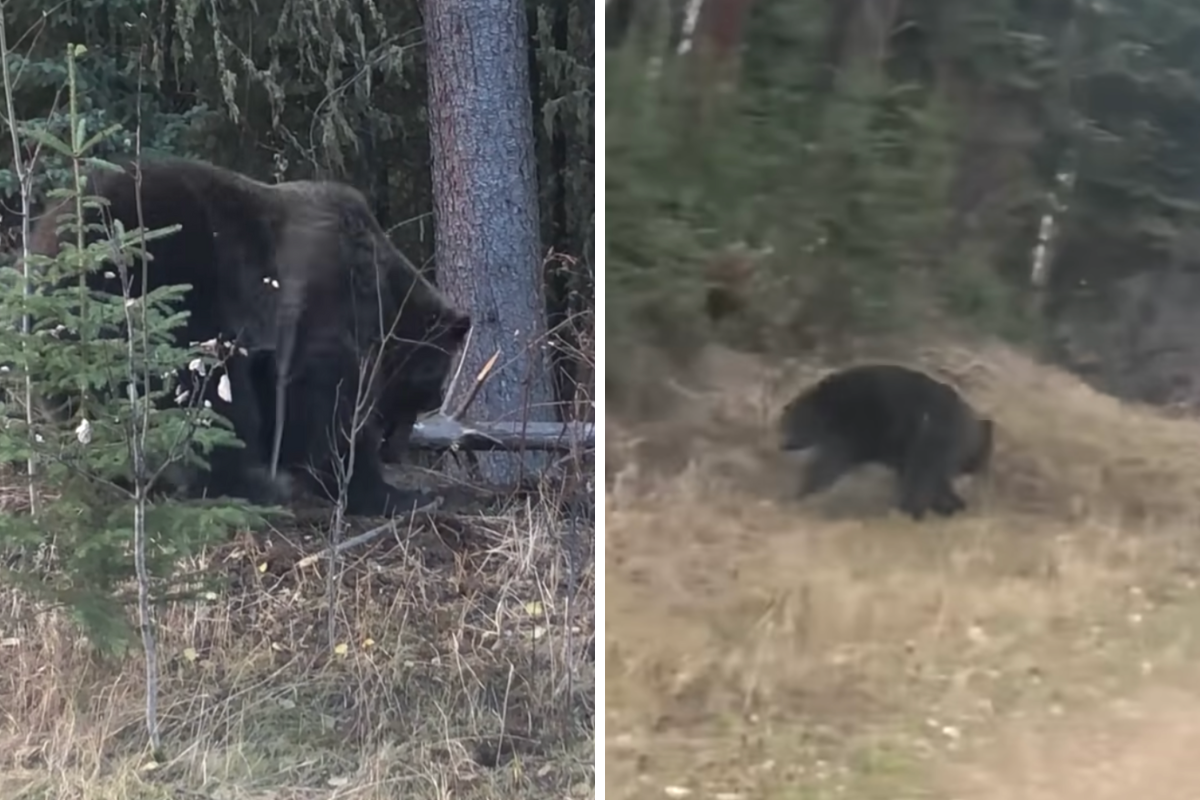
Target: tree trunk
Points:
(857, 40)
(856, 45)
(1010, 147)
(485, 204)
(713, 41)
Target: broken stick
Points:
(363, 538)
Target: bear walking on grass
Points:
(891, 415)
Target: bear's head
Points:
(418, 369)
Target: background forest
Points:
(297, 90)
(444, 654)
(873, 165)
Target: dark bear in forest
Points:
(891, 415)
(301, 276)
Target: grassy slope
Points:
(461, 677)
(1043, 645)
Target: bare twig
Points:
(354, 541)
(475, 387)
(25, 181)
(462, 360)
(140, 421)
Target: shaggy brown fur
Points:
(895, 416)
(300, 275)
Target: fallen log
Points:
(441, 432)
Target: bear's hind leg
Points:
(947, 502)
(242, 471)
(924, 473)
(320, 413)
(369, 494)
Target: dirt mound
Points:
(1062, 448)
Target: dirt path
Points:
(1144, 746)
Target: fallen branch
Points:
(458, 368)
(362, 538)
(441, 432)
(475, 387)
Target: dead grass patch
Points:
(462, 676)
(757, 647)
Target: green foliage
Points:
(1137, 111)
(847, 163)
(129, 412)
(114, 86)
(655, 216)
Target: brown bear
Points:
(895, 416)
(305, 282)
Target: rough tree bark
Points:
(485, 204)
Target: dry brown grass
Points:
(758, 647)
(462, 677)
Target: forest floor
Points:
(1042, 645)
(459, 671)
